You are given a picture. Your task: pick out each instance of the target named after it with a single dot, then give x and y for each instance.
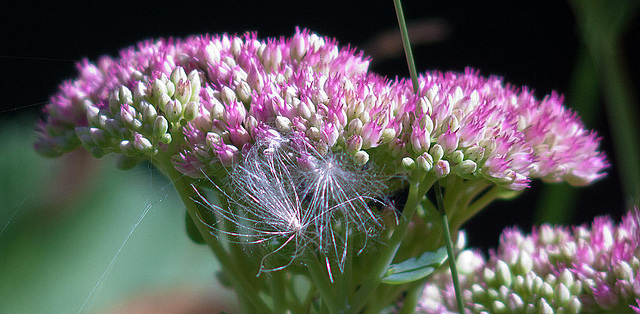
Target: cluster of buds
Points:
(480, 127)
(554, 269)
(205, 100)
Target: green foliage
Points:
(415, 268)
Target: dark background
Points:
(531, 43)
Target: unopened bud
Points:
(467, 167)
(354, 143)
(173, 111)
(178, 74)
(196, 85)
(457, 156)
(191, 110)
(442, 168)
(142, 144)
(100, 137)
(436, 152)
(125, 96)
(408, 163)
(387, 136)
(160, 126)
(424, 162)
(361, 157)
(183, 91)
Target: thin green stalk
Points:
(449, 244)
(406, 43)
(414, 79)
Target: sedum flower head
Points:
(204, 101)
(483, 128)
(584, 268)
(299, 126)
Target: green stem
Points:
(449, 244)
(278, 291)
(406, 43)
(413, 297)
(494, 193)
(321, 281)
(417, 188)
(244, 288)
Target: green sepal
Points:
(415, 268)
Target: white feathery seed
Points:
(288, 196)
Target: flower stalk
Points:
(449, 244)
(441, 209)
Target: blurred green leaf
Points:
(415, 268)
(51, 258)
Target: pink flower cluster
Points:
(204, 101)
(584, 268)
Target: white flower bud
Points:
(436, 152)
(149, 113)
(498, 307)
(562, 295)
(227, 95)
(515, 303)
(424, 107)
(546, 291)
(467, 167)
(171, 88)
(361, 157)
(475, 153)
(243, 92)
(178, 75)
(424, 162)
(191, 110)
(387, 136)
(212, 54)
(354, 143)
(158, 89)
(164, 99)
(125, 96)
(442, 168)
(183, 90)
(544, 307)
(236, 46)
(283, 123)
(574, 306)
(457, 156)
(196, 85)
(142, 144)
(160, 126)
(408, 163)
(173, 111)
(298, 47)
(503, 273)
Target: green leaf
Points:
(415, 268)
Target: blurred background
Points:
(63, 220)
